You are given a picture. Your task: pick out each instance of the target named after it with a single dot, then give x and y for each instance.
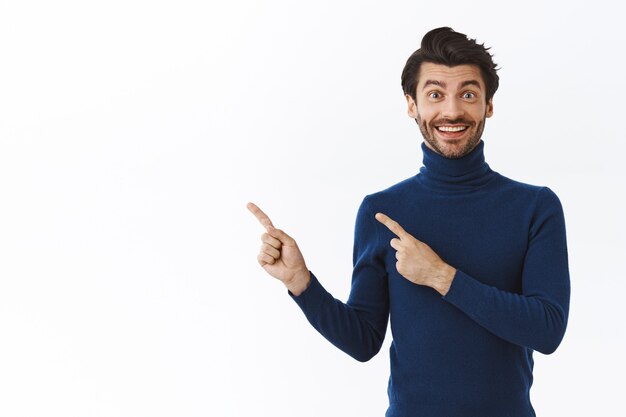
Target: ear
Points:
(412, 106)
(489, 112)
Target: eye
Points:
(469, 95)
(434, 95)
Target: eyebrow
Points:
(443, 85)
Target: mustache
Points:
(451, 122)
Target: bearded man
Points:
(470, 267)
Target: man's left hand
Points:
(417, 262)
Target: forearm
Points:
(535, 321)
(358, 330)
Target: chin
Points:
(453, 149)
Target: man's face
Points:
(450, 107)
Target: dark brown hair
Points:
(445, 46)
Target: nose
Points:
(452, 109)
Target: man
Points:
(470, 266)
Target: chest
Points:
(485, 237)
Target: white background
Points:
(133, 133)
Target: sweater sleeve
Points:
(537, 318)
(358, 326)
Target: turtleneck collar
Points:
(462, 174)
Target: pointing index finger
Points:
(392, 225)
(259, 214)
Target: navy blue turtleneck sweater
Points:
(468, 353)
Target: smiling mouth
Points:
(451, 132)
(451, 129)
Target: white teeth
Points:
(451, 128)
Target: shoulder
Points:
(395, 192)
(533, 192)
(540, 202)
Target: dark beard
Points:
(469, 145)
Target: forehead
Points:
(450, 76)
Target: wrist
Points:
(299, 283)
(444, 279)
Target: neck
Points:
(447, 174)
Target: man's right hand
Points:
(280, 255)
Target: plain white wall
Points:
(133, 133)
